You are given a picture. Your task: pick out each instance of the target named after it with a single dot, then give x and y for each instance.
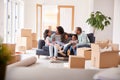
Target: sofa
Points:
(44, 50)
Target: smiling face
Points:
(66, 36)
(49, 33)
(74, 37)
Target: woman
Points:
(56, 37)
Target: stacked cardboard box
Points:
(84, 52)
(76, 62)
(34, 40)
(25, 41)
(26, 32)
(11, 47)
(15, 58)
(104, 59)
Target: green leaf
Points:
(98, 20)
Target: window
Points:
(13, 10)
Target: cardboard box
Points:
(34, 36)
(11, 47)
(26, 32)
(119, 59)
(34, 43)
(15, 58)
(24, 43)
(76, 62)
(22, 48)
(29, 43)
(105, 59)
(84, 52)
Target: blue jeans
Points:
(66, 48)
(73, 50)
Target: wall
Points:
(82, 10)
(2, 18)
(107, 7)
(116, 28)
(30, 13)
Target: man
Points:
(82, 38)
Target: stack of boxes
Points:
(27, 40)
(15, 57)
(105, 59)
(84, 52)
(78, 61)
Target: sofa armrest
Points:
(41, 43)
(45, 48)
(91, 37)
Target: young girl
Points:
(49, 42)
(47, 37)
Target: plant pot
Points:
(2, 71)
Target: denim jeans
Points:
(73, 50)
(66, 48)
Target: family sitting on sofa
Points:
(60, 42)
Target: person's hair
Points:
(66, 34)
(75, 36)
(63, 36)
(60, 29)
(79, 29)
(46, 33)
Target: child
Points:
(74, 40)
(60, 45)
(73, 43)
(49, 42)
(47, 37)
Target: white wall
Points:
(1, 18)
(82, 10)
(30, 13)
(116, 28)
(107, 7)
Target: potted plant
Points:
(5, 56)
(98, 21)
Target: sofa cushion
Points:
(108, 74)
(42, 52)
(41, 43)
(45, 48)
